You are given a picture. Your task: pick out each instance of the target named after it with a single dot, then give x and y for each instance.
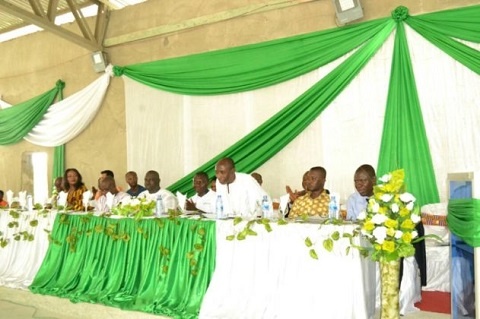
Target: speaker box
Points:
(347, 10)
(99, 61)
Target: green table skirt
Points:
(158, 266)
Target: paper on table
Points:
(9, 195)
(182, 199)
(86, 197)
(109, 201)
(62, 199)
(22, 198)
(284, 199)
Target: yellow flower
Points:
(388, 246)
(369, 226)
(391, 223)
(407, 224)
(390, 232)
(407, 237)
(404, 212)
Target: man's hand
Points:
(190, 205)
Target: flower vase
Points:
(389, 276)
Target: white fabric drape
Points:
(174, 134)
(21, 259)
(4, 105)
(66, 119)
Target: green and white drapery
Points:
(42, 122)
(404, 140)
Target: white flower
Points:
(415, 218)
(380, 233)
(362, 215)
(409, 206)
(366, 233)
(126, 200)
(386, 197)
(379, 219)
(414, 234)
(386, 178)
(394, 207)
(375, 207)
(398, 234)
(407, 197)
(135, 202)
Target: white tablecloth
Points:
(273, 276)
(20, 260)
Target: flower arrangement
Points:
(135, 207)
(390, 218)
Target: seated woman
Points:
(74, 187)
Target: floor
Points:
(21, 304)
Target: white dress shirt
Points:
(169, 200)
(205, 203)
(242, 197)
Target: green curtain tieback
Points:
(400, 14)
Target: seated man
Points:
(204, 199)
(107, 185)
(3, 203)
(152, 184)
(258, 178)
(315, 201)
(241, 194)
(132, 180)
(364, 179)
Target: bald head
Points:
(225, 170)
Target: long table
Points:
(26, 238)
(187, 269)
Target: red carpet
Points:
(435, 301)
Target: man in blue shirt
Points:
(364, 180)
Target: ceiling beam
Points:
(37, 8)
(52, 10)
(203, 20)
(80, 19)
(48, 25)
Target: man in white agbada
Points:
(241, 194)
(204, 200)
(109, 195)
(152, 184)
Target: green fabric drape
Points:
(269, 138)
(58, 161)
(404, 140)
(144, 266)
(252, 66)
(58, 155)
(463, 220)
(440, 31)
(18, 120)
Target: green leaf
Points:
(335, 235)
(230, 237)
(34, 223)
(328, 244)
(201, 231)
(193, 262)
(308, 242)
(313, 254)
(190, 255)
(241, 236)
(237, 220)
(198, 247)
(268, 227)
(99, 228)
(282, 222)
(251, 232)
(347, 251)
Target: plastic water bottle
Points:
(333, 206)
(266, 211)
(159, 206)
(219, 207)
